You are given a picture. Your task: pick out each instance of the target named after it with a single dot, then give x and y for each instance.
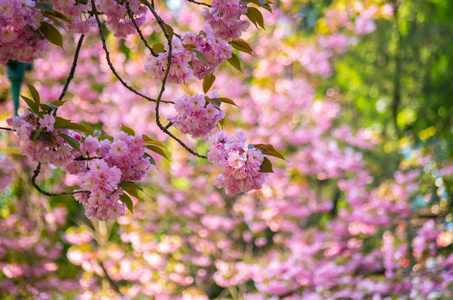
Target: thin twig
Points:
(112, 68)
(81, 158)
(199, 3)
(33, 181)
(71, 72)
(164, 80)
(110, 280)
(73, 68)
(7, 129)
(140, 33)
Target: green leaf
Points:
(132, 184)
(201, 57)
(45, 136)
(44, 6)
(52, 34)
(47, 107)
(170, 30)
(58, 102)
(156, 143)
(235, 62)
(71, 141)
(34, 93)
(105, 137)
(61, 123)
(222, 122)
(151, 159)
(80, 127)
(190, 46)
(158, 47)
(130, 187)
(215, 101)
(268, 150)
(61, 16)
(208, 81)
(35, 134)
(127, 130)
(262, 3)
(66, 124)
(37, 35)
(266, 166)
(126, 199)
(241, 45)
(33, 106)
(54, 19)
(226, 100)
(157, 150)
(255, 16)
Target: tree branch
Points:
(7, 129)
(73, 68)
(109, 62)
(200, 3)
(33, 181)
(71, 72)
(140, 33)
(164, 80)
(110, 280)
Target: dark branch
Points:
(7, 129)
(112, 68)
(140, 33)
(33, 181)
(110, 280)
(164, 80)
(200, 3)
(73, 68)
(71, 72)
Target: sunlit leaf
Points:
(45, 6)
(266, 166)
(235, 62)
(128, 201)
(52, 34)
(268, 150)
(34, 93)
(71, 141)
(33, 106)
(157, 150)
(241, 45)
(127, 130)
(208, 81)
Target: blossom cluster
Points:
(196, 116)
(41, 141)
(73, 12)
(102, 166)
(19, 36)
(214, 49)
(116, 13)
(120, 160)
(241, 168)
(180, 70)
(224, 19)
(185, 63)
